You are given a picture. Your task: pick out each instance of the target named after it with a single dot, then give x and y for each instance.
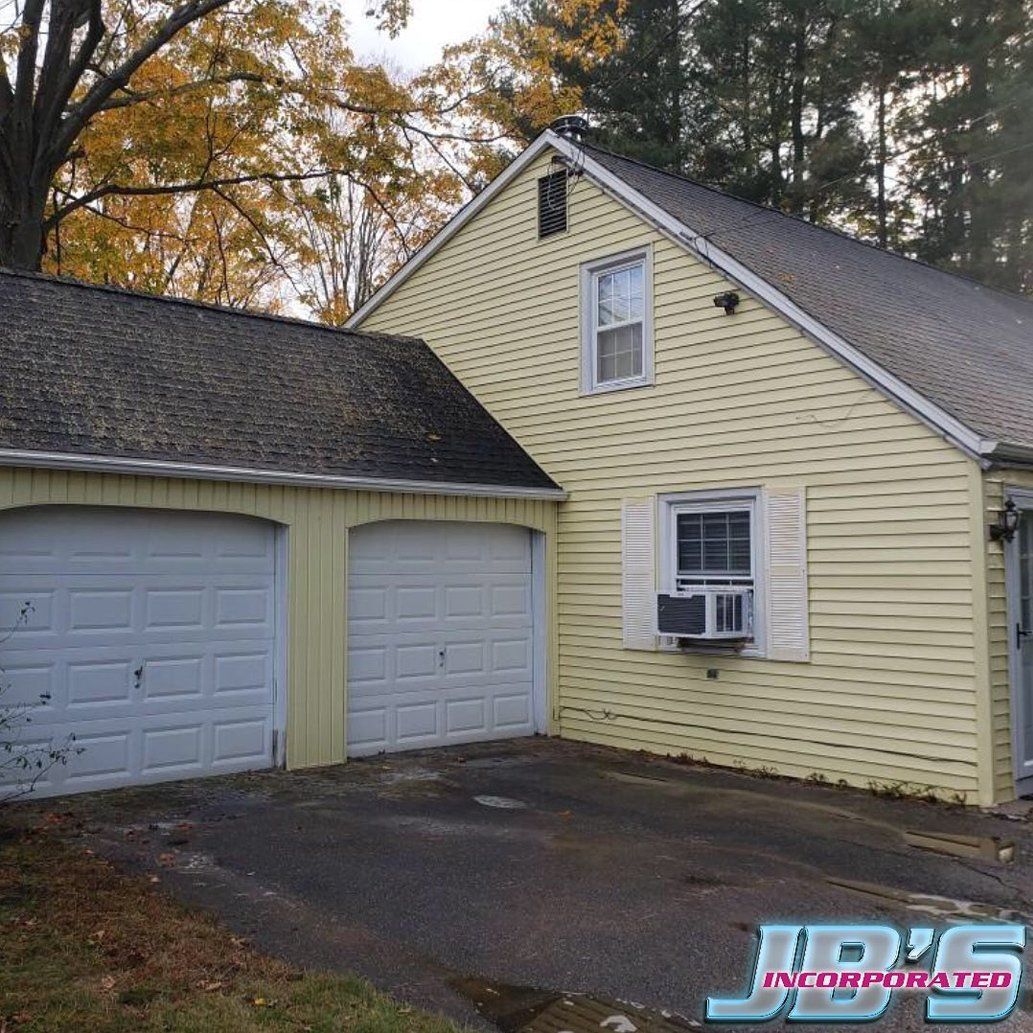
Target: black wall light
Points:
(1007, 523)
(729, 301)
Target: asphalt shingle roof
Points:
(97, 371)
(965, 347)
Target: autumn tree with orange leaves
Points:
(235, 151)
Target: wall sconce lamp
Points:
(729, 301)
(1007, 523)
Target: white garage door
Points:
(440, 644)
(153, 632)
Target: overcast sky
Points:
(434, 24)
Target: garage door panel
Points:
(159, 671)
(368, 730)
(121, 751)
(173, 678)
(439, 635)
(219, 674)
(127, 540)
(35, 621)
(95, 609)
(176, 751)
(392, 604)
(513, 711)
(28, 681)
(241, 740)
(511, 656)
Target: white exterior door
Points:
(440, 640)
(152, 632)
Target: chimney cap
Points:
(573, 127)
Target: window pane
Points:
(715, 555)
(739, 552)
(714, 543)
(690, 543)
(620, 295)
(605, 315)
(739, 556)
(619, 353)
(621, 289)
(635, 298)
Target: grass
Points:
(84, 947)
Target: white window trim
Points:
(589, 271)
(719, 499)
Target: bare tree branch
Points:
(104, 89)
(159, 190)
(131, 98)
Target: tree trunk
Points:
(796, 95)
(674, 85)
(880, 167)
(22, 208)
(980, 235)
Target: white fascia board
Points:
(161, 468)
(456, 223)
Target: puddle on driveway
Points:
(519, 1009)
(503, 803)
(946, 908)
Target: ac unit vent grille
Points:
(552, 204)
(707, 612)
(682, 615)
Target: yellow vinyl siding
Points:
(890, 693)
(317, 522)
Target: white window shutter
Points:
(638, 573)
(788, 625)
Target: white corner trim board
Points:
(163, 468)
(956, 432)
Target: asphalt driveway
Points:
(450, 877)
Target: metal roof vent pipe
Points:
(573, 127)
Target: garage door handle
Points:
(138, 676)
(441, 657)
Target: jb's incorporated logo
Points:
(849, 973)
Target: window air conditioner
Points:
(716, 613)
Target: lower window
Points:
(711, 563)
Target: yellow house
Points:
(230, 541)
(787, 455)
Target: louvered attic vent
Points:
(552, 204)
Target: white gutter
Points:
(1002, 454)
(162, 468)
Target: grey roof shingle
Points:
(98, 371)
(965, 347)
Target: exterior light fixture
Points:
(1007, 523)
(729, 301)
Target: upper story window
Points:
(617, 331)
(552, 204)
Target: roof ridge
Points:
(205, 306)
(832, 230)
